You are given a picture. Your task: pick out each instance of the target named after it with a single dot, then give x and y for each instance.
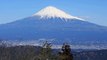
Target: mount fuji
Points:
(53, 24)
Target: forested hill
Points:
(31, 52)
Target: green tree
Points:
(65, 53)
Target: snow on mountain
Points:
(52, 12)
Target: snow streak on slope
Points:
(52, 12)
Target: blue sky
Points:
(92, 10)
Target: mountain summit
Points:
(53, 12)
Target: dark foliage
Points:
(18, 52)
(65, 53)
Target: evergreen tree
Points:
(65, 53)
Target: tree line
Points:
(45, 52)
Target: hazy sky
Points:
(92, 10)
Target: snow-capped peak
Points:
(52, 12)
